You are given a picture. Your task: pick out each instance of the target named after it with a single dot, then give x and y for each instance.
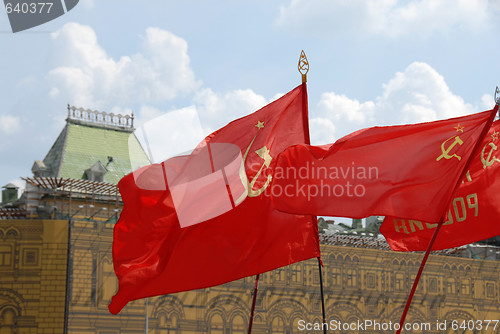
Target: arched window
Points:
(173, 324)
(238, 325)
(295, 324)
(12, 233)
(162, 324)
(277, 326)
(8, 321)
(216, 324)
(168, 324)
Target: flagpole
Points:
(434, 235)
(322, 295)
(417, 278)
(303, 67)
(146, 322)
(254, 301)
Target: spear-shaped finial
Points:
(497, 98)
(303, 66)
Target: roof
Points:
(10, 185)
(376, 242)
(79, 147)
(73, 185)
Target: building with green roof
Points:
(94, 146)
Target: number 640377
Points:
(29, 8)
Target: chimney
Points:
(9, 193)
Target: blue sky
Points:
(378, 62)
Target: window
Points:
(216, 325)
(296, 273)
(465, 287)
(96, 172)
(370, 281)
(167, 324)
(238, 325)
(490, 290)
(421, 284)
(336, 276)
(5, 256)
(279, 274)
(351, 277)
(108, 284)
(93, 290)
(316, 305)
(8, 321)
(316, 277)
(432, 285)
(451, 286)
(30, 257)
(277, 326)
(399, 282)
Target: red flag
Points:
(408, 171)
(154, 254)
(473, 214)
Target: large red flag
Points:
(473, 215)
(156, 251)
(408, 171)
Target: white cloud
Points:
(10, 124)
(216, 109)
(388, 17)
(418, 94)
(88, 76)
(487, 101)
(168, 134)
(322, 131)
(344, 107)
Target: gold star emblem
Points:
(259, 125)
(459, 128)
(494, 135)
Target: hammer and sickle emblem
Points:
(489, 160)
(446, 151)
(263, 153)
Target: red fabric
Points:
(473, 214)
(408, 171)
(153, 255)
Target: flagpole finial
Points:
(303, 66)
(497, 98)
